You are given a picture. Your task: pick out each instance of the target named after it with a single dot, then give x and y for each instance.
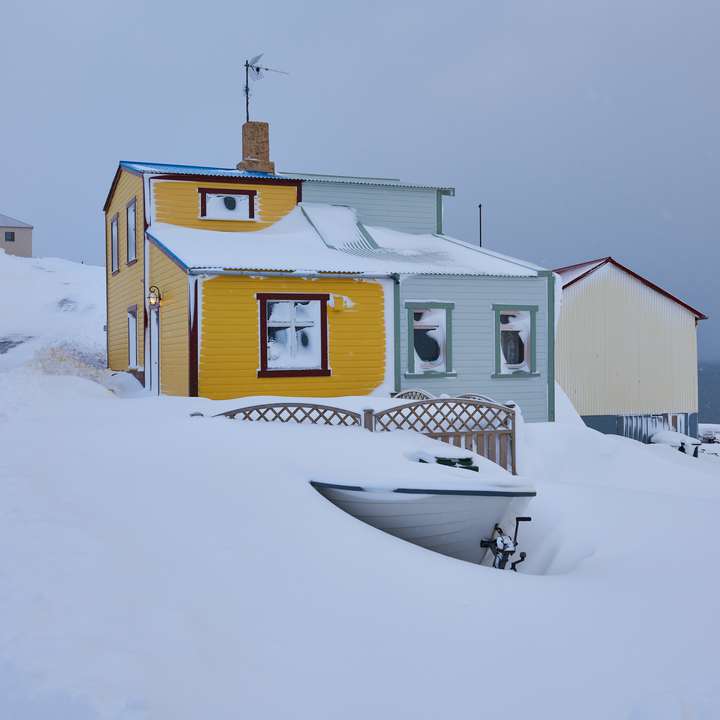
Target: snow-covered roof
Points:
(7, 221)
(171, 169)
(320, 238)
(571, 274)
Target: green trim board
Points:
(533, 310)
(439, 212)
(412, 305)
(516, 375)
(430, 374)
(550, 342)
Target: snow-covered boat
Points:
(451, 520)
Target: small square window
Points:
(219, 204)
(293, 335)
(9, 236)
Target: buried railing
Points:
(485, 428)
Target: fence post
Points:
(368, 419)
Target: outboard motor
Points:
(503, 546)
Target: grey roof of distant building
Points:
(7, 221)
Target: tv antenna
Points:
(254, 71)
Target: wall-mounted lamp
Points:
(154, 296)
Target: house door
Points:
(154, 340)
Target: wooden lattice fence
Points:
(485, 428)
(413, 394)
(297, 413)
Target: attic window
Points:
(293, 335)
(222, 204)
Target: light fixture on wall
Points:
(154, 296)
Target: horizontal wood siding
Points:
(178, 202)
(174, 325)
(125, 288)
(473, 337)
(21, 245)
(229, 344)
(413, 211)
(623, 348)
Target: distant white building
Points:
(626, 351)
(15, 236)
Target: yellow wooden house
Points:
(246, 281)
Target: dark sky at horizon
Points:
(586, 129)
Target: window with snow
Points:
(132, 337)
(114, 250)
(131, 234)
(220, 204)
(429, 332)
(293, 335)
(515, 339)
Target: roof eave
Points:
(648, 283)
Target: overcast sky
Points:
(585, 127)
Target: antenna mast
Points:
(247, 91)
(253, 71)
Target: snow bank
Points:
(54, 313)
(675, 439)
(157, 565)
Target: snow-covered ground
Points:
(155, 565)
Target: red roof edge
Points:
(648, 283)
(577, 265)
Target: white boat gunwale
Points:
(429, 491)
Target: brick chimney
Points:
(256, 148)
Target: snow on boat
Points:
(450, 517)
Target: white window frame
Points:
(132, 331)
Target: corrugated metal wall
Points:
(473, 340)
(624, 349)
(408, 210)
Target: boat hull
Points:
(451, 522)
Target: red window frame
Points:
(323, 370)
(205, 191)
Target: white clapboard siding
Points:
(405, 209)
(473, 341)
(623, 348)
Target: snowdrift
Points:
(157, 565)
